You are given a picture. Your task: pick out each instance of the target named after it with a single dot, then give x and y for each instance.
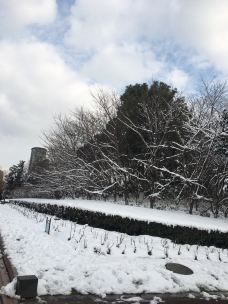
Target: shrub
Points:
(177, 234)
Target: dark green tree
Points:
(153, 123)
(15, 177)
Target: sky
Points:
(55, 53)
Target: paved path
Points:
(7, 273)
(126, 299)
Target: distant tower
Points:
(1, 182)
(38, 159)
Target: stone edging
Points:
(8, 273)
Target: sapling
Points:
(74, 230)
(164, 242)
(149, 249)
(165, 246)
(207, 253)
(56, 228)
(106, 236)
(109, 248)
(219, 255)
(80, 238)
(120, 241)
(179, 250)
(188, 247)
(166, 251)
(69, 238)
(85, 243)
(123, 252)
(134, 247)
(36, 216)
(102, 241)
(196, 253)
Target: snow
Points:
(156, 300)
(66, 259)
(9, 289)
(174, 218)
(208, 296)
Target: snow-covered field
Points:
(89, 260)
(150, 215)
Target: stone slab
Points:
(179, 268)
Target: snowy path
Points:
(63, 264)
(145, 214)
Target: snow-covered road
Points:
(77, 257)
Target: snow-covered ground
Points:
(89, 260)
(145, 214)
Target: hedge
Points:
(177, 234)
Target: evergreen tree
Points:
(15, 176)
(153, 121)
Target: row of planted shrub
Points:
(178, 234)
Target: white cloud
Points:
(178, 79)
(35, 84)
(122, 64)
(96, 23)
(199, 25)
(15, 15)
(204, 26)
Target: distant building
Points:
(1, 183)
(38, 160)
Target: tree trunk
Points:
(115, 196)
(191, 206)
(197, 205)
(226, 213)
(152, 202)
(216, 210)
(126, 197)
(136, 197)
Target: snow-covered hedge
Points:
(178, 234)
